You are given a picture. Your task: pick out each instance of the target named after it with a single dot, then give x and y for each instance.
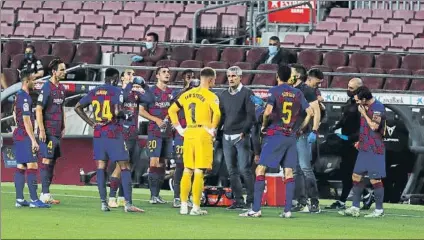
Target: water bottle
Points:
(139, 80)
(164, 125)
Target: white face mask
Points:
(149, 45)
(272, 49)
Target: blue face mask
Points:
(28, 56)
(272, 50)
(149, 45)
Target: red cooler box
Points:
(275, 190)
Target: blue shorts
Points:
(178, 149)
(159, 147)
(279, 150)
(51, 148)
(371, 164)
(23, 151)
(113, 149)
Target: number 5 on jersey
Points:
(105, 108)
(287, 112)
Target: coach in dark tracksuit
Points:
(349, 124)
(238, 113)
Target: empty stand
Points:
(267, 79)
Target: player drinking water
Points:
(26, 146)
(51, 125)
(283, 108)
(108, 139)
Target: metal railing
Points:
(307, 3)
(197, 14)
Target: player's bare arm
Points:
(267, 113)
(374, 123)
(149, 117)
(306, 120)
(79, 109)
(30, 131)
(315, 107)
(40, 122)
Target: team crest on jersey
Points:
(26, 107)
(376, 117)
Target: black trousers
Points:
(348, 154)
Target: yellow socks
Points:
(185, 185)
(197, 187)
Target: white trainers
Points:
(286, 215)
(47, 198)
(376, 214)
(352, 211)
(183, 208)
(121, 202)
(197, 212)
(251, 213)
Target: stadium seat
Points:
(334, 42)
(246, 78)
(98, 20)
(335, 59)
(373, 82)
(95, 6)
(112, 6)
(369, 27)
(356, 41)
(137, 7)
(267, 79)
(361, 13)
(313, 41)
(16, 60)
(182, 53)
(14, 47)
(325, 26)
(64, 50)
(387, 61)
(41, 48)
(143, 20)
(146, 74)
(128, 13)
(8, 18)
(309, 58)
(179, 34)
(400, 44)
(12, 4)
(54, 5)
(241, 11)
(327, 79)
(207, 54)
(209, 22)
(90, 31)
(342, 81)
(165, 21)
(7, 11)
(378, 43)
(190, 64)
(31, 17)
(53, 18)
(230, 24)
(11, 76)
(5, 61)
(135, 32)
(218, 11)
(73, 5)
(417, 84)
(169, 14)
(255, 56)
(405, 15)
(161, 31)
(21, 31)
(192, 8)
(413, 62)
(108, 16)
(185, 20)
(361, 60)
(221, 77)
(173, 7)
(232, 55)
(398, 83)
(65, 31)
(342, 13)
(292, 40)
(154, 7)
(74, 18)
(382, 13)
(7, 31)
(113, 32)
(43, 32)
(88, 52)
(348, 27)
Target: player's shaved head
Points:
(355, 83)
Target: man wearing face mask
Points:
(31, 64)
(277, 55)
(237, 118)
(153, 53)
(306, 184)
(349, 124)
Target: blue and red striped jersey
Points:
(370, 140)
(288, 103)
(159, 108)
(23, 107)
(133, 97)
(52, 98)
(103, 99)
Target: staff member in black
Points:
(349, 124)
(31, 64)
(238, 113)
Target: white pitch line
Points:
(144, 200)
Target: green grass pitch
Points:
(79, 217)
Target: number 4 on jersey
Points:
(106, 112)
